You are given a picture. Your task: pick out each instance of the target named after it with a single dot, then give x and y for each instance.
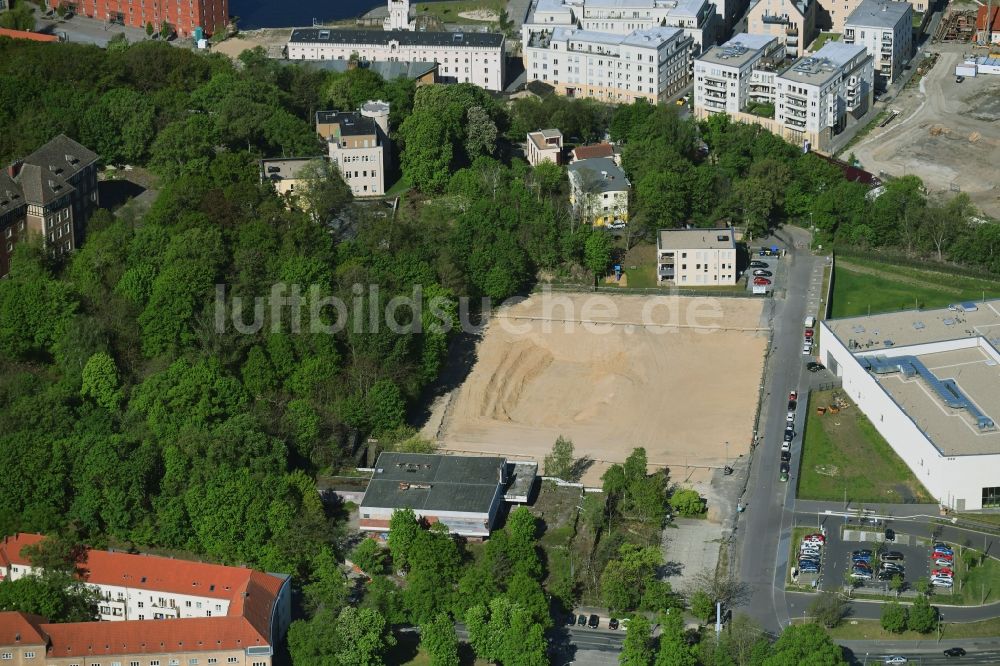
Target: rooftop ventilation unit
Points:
(324, 34)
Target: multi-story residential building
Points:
(225, 615)
(832, 15)
(885, 28)
(187, 19)
(817, 93)
(728, 77)
(358, 144)
(464, 493)
(285, 174)
(544, 146)
(50, 193)
(703, 257)
(599, 191)
(650, 64)
(462, 57)
(793, 21)
(697, 18)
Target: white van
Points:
(810, 321)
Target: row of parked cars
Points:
(786, 441)
(594, 621)
(943, 558)
(811, 553)
(761, 275)
(866, 565)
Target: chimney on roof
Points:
(15, 168)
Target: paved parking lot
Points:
(776, 264)
(839, 549)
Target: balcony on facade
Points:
(714, 83)
(714, 105)
(715, 94)
(791, 102)
(796, 123)
(774, 19)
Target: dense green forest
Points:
(128, 416)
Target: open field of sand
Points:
(680, 379)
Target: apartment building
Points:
(188, 18)
(599, 191)
(885, 28)
(817, 93)
(696, 18)
(285, 174)
(544, 146)
(793, 21)
(358, 145)
(208, 612)
(696, 257)
(832, 15)
(650, 64)
(50, 193)
(462, 57)
(728, 77)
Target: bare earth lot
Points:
(947, 133)
(624, 379)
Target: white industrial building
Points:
(885, 28)
(929, 381)
(728, 77)
(462, 57)
(816, 94)
(697, 18)
(464, 493)
(650, 64)
(702, 257)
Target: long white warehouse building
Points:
(929, 381)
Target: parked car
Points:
(813, 366)
(815, 538)
(954, 652)
(941, 548)
(758, 264)
(959, 78)
(760, 272)
(806, 567)
(809, 332)
(786, 456)
(895, 659)
(942, 563)
(761, 281)
(862, 556)
(613, 624)
(886, 575)
(942, 556)
(943, 571)
(892, 556)
(793, 395)
(890, 534)
(941, 582)
(593, 622)
(809, 560)
(789, 434)
(786, 446)
(792, 404)
(581, 620)
(861, 574)
(807, 349)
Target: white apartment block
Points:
(697, 18)
(793, 21)
(832, 15)
(885, 28)
(696, 257)
(599, 191)
(728, 77)
(650, 64)
(544, 146)
(358, 145)
(816, 94)
(462, 57)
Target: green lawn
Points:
(763, 110)
(448, 10)
(918, 18)
(980, 584)
(863, 284)
(868, 630)
(844, 451)
(823, 38)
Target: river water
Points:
(289, 13)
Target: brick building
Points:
(183, 16)
(155, 611)
(51, 193)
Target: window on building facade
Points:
(991, 497)
(6, 655)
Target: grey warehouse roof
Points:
(431, 482)
(403, 37)
(878, 14)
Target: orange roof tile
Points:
(595, 150)
(981, 19)
(24, 34)
(10, 548)
(164, 574)
(79, 639)
(21, 629)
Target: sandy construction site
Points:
(676, 375)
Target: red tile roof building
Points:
(231, 615)
(994, 26)
(183, 16)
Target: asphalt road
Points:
(763, 530)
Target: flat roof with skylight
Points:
(738, 51)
